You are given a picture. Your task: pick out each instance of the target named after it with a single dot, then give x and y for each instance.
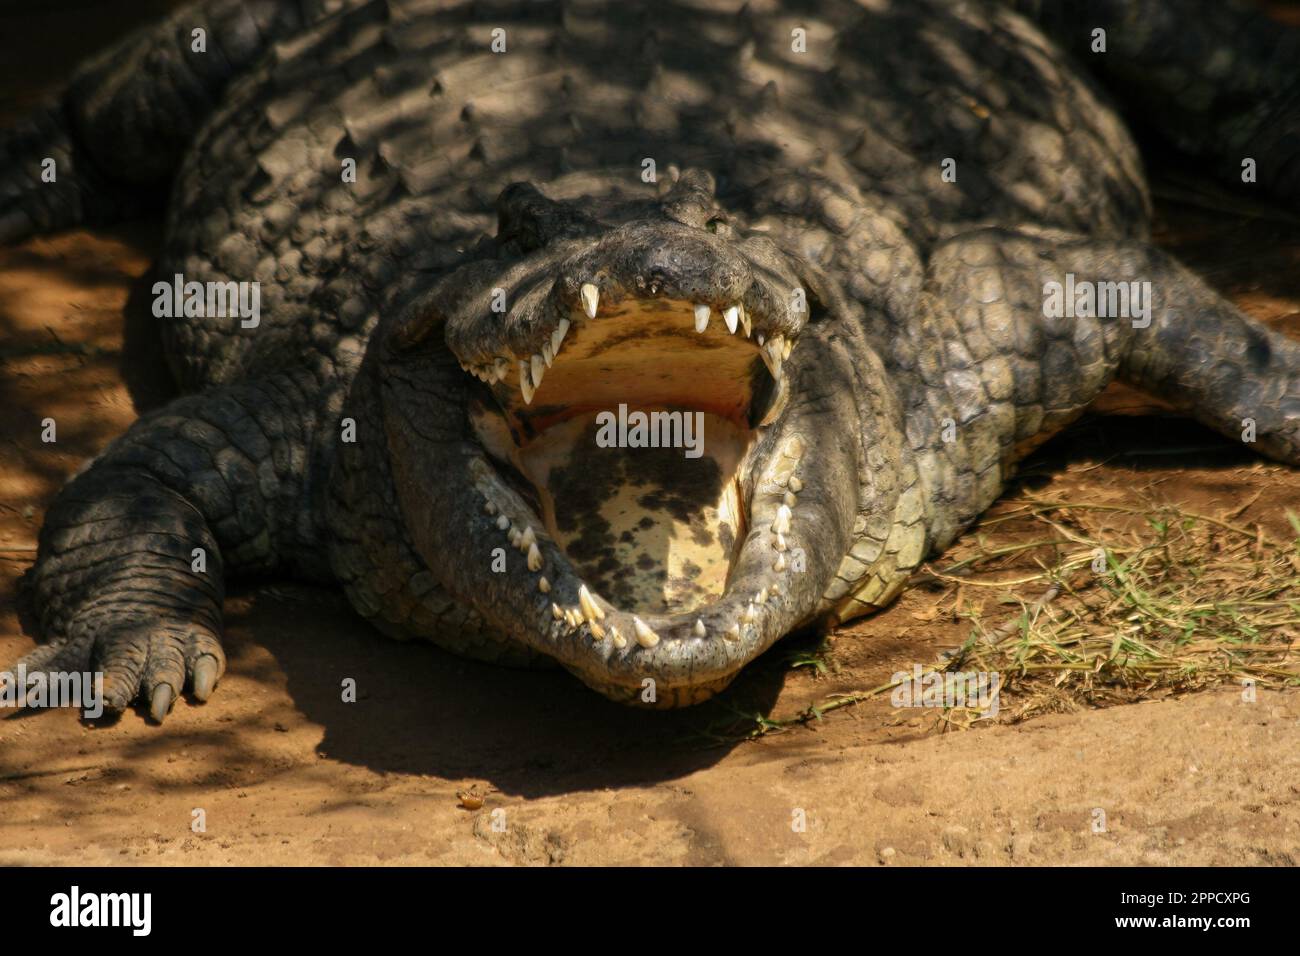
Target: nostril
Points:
(515, 199)
(516, 191)
(1258, 351)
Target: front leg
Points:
(129, 578)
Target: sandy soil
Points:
(287, 773)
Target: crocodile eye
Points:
(716, 224)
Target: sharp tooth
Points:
(514, 537)
(782, 523)
(733, 633)
(572, 617)
(597, 631)
(780, 563)
(761, 597)
(644, 636)
(619, 640)
(502, 369)
(527, 539)
(773, 351)
(786, 348)
(525, 385)
(731, 315)
(760, 339)
(698, 629)
(791, 498)
(780, 542)
(589, 608)
(539, 369)
(503, 522)
(544, 585)
(744, 320)
(555, 610)
(701, 318)
(795, 484)
(747, 615)
(534, 558)
(766, 356)
(590, 299)
(490, 507)
(558, 335)
(548, 354)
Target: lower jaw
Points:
(680, 644)
(467, 515)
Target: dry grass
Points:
(1111, 604)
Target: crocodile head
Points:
(654, 473)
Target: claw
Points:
(161, 703)
(205, 676)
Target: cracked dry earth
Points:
(287, 773)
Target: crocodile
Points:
(625, 337)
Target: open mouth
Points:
(650, 406)
(629, 434)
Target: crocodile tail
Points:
(1215, 79)
(107, 145)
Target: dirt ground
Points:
(287, 773)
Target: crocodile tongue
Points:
(651, 511)
(631, 447)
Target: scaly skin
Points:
(343, 439)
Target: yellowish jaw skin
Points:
(633, 444)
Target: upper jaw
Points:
(748, 288)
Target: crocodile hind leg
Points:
(117, 131)
(1137, 314)
(129, 575)
(988, 368)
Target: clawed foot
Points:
(138, 661)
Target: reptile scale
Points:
(815, 238)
